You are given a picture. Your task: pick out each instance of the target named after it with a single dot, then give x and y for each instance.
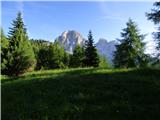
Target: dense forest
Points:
(20, 54)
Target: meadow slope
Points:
(82, 94)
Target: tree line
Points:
(19, 54)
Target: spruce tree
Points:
(4, 48)
(130, 51)
(91, 54)
(155, 17)
(20, 54)
(77, 59)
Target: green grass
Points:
(82, 94)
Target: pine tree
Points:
(130, 51)
(77, 59)
(20, 55)
(91, 54)
(4, 48)
(155, 17)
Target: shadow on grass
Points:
(83, 95)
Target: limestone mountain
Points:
(106, 48)
(69, 39)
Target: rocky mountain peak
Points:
(69, 39)
(106, 48)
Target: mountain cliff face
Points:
(69, 39)
(106, 48)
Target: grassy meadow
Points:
(82, 94)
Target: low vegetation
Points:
(82, 94)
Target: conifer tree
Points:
(155, 17)
(91, 54)
(130, 51)
(20, 54)
(4, 48)
(77, 59)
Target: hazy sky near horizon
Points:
(47, 20)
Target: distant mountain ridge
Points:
(70, 38)
(106, 48)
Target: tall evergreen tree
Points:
(91, 54)
(130, 51)
(20, 55)
(77, 59)
(4, 48)
(155, 17)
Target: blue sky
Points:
(47, 20)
